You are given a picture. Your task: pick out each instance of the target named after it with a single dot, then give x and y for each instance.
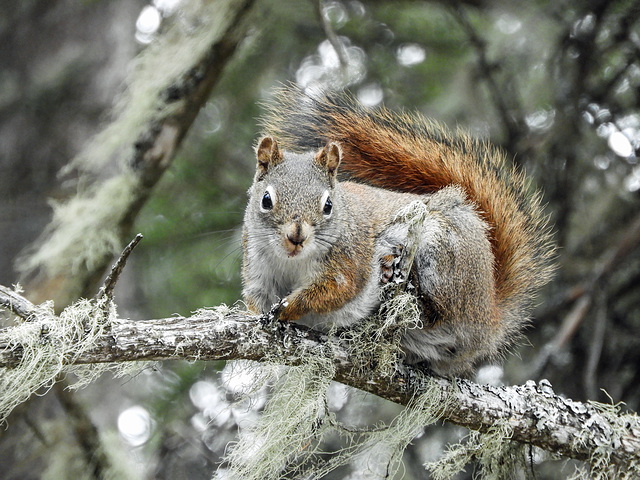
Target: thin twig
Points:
(595, 350)
(585, 295)
(331, 35)
(569, 327)
(106, 291)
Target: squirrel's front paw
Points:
(274, 313)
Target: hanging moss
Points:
(497, 456)
(47, 346)
(289, 437)
(83, 231)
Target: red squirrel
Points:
(323, 248)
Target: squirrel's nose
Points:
(296, 233)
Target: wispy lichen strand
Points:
(48, 346)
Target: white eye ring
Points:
(268, 200)
(326, 205)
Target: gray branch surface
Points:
(535, 413)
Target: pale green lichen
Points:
(288, 427)
(614, 427)
(414, 214)
(48, 347)
(220, 311)
(289, 437)
(83, 231)
(498, 457)
(377, 340)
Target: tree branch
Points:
(536, 415)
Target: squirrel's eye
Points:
(268, 199)
(327, 205)
(267, 203)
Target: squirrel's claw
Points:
(272, 315)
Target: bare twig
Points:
(331, 34)
(595, 350)
(106, 291)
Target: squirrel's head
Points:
(296, 196)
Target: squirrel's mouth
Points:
(292, 249)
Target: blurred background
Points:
(555, 84)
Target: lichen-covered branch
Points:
(532, 413)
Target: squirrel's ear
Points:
(268, 155)
(329, 158)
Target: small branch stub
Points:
(106, 291)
